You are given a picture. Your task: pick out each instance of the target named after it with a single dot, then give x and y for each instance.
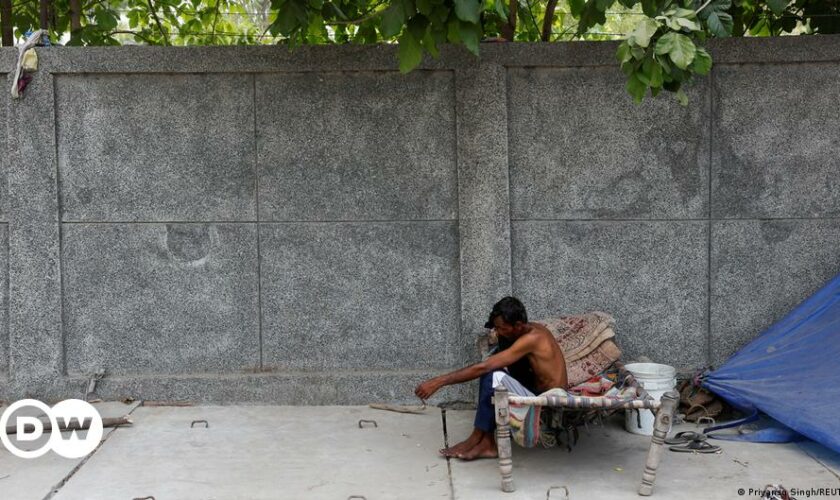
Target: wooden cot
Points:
(664, 411)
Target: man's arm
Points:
(520, 348)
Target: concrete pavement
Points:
(280, 452)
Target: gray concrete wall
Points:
(249, 224)
(4, 237)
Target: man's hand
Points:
(520, 348)
(426, 389)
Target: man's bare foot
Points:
(464, 445)
(486, 448)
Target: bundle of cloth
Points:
(593, 370)
(587, 342)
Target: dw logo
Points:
(72, 413)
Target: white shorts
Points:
(510, 383)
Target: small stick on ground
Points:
(418, 410)
(168, 403)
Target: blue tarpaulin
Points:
(791, 372)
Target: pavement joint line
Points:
(829, 469)
(55, 489)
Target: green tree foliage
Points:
(662, 47)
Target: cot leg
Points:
(661, 426)
(500, 401)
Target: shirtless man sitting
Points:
(527, 350)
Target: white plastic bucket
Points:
(657, 380)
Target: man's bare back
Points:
(545, 357)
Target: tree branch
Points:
(509, 30)
(75, 16)
(129, 32)
(368, 15)
(157, 20)
(702, 6)
(45, 14)
(215, 19)
(548, 20)
(6, 23)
